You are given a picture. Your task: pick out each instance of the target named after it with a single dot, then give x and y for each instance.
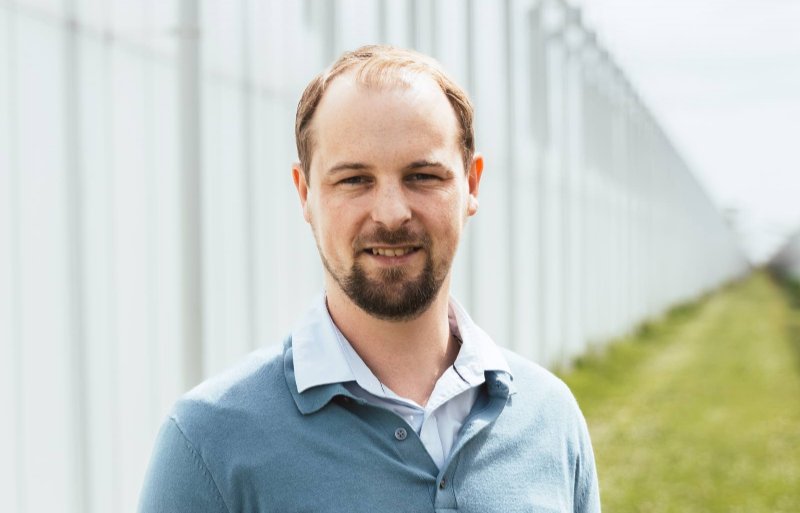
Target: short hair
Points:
(380, 65)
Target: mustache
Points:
(381, 236)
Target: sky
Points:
(723, 79)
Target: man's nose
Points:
(391, 207)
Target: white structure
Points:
(150, 234)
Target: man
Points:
(386, 397)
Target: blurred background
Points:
(638, 156)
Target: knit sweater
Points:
(247, 441)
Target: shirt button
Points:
(400, 434)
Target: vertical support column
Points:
(383, 30)
(605, 214)
(553, 186)
(650, 224)
(573, 186)
(618, 162)
(523, 150)
(511, 182)
(331, 35)
(9, 213)
(74, 252)
(589, 296)
(189, 115)
(422, 24)
(247, 106)
(413, 11)
(622, 265)
(433, 24)
(540, 127)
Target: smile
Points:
(392, 252)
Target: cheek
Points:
(333, 232)
(449, 223)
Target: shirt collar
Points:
(321, 355)
(478, 352)
(317, 358)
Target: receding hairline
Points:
(382, 67)
(408, 82)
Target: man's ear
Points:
(299, 179)
(474, 181)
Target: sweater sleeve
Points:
(587, 490)
(178, 479)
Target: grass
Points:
(700, 412)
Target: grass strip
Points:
(700, 412)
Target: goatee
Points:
(392, 295)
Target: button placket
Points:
(445, 493)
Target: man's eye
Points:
(353, 180)
(420, 177)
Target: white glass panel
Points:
(9, 337)
(44, 313)
(357, 24)
(397, 23)
(305, 57)
(285, 51)
(96, 158)
(490, 226)
(55, 7)
(221, 45)
(94, 14)
(225, 223)
(423, 29)
(450, 39)
(128, 20)
(132, 211)
(163, 27)
(166, 235)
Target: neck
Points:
(407, 356)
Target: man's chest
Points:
(369, 465)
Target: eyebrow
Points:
(347, 166)
(360, 166)
(422, 164)
(417, 164)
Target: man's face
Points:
(387, 196)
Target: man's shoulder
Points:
(531, 372)
(539, 388)
(243, 394)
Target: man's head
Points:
(392, 179)
(379, 67)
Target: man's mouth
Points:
(392, 252)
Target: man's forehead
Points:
(348, 103)
(408, 82)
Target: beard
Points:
(392, 295)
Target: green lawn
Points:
(700, 412)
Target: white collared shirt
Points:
(322, 355)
